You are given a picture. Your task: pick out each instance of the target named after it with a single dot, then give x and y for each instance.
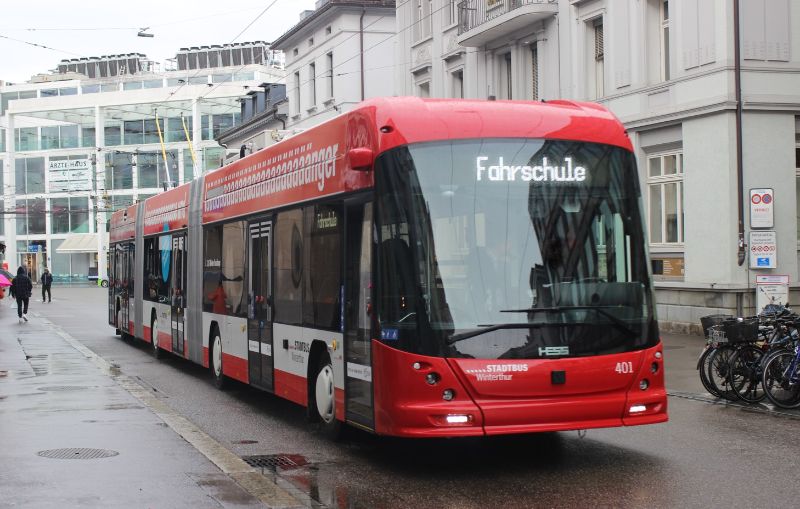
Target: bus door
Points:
(112, 291)
(358, 330)
(124, 284)
(259, 305)
(178, 301)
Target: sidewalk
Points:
(74, 432)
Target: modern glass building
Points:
(73, 149)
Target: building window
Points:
(329, 58)
(424, 89)
(534, 71)
(29, 175)
(457, 84)
(504, 85)
(312, 80)
(665, 198)
(595, 87)
(423, 26)
(451, 12)
(297, 93)
(664, 17)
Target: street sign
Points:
(762, 202)
(763, 250)
(771, 289)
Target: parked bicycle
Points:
(732, 365)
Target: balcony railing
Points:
(474, 13)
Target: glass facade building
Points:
(75, 150)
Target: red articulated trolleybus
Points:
(417, 268)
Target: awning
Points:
(79, 243)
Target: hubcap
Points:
(324, 393)
(154, 335)
(217, 356)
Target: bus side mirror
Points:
(360, 159)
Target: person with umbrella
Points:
(5, 282)
(21, 288)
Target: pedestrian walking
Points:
(47, 282)
(21, 288)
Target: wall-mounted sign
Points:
(762, 203)
(66, 176)
(763, 250)
(668, 267)
(771, 289)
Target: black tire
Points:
(104, 283)
(745, 374)
(215, 359)
(322, 405)
(775, 380)
(718, 372)
(703, 369)
(157, 352)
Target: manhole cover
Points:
(63, 388)
(276, 461)
(77, 454)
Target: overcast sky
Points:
(102, 27)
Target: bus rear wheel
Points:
(323, 407)
(216, 360)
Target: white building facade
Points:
(73, 149)
(667, 69)
(336, 56)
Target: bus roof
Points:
(379, 124)
(415, 120)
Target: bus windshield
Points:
(511, 248)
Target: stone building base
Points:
(679, 309)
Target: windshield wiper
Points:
(455, 338)
(601, 310)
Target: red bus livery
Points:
(415, 268)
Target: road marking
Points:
(250, 479)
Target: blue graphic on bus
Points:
(165, 246)
(390, 334)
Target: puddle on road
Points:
(322, 483)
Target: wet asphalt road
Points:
(708, 455)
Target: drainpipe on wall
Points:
(739, 164)
(361, 37)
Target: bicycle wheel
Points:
(719, 370)
(703, 363)
(745, 374)
(775, 380)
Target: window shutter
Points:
(598, 39)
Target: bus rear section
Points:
(513, 293)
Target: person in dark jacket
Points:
(47, 282)
(21, 288)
